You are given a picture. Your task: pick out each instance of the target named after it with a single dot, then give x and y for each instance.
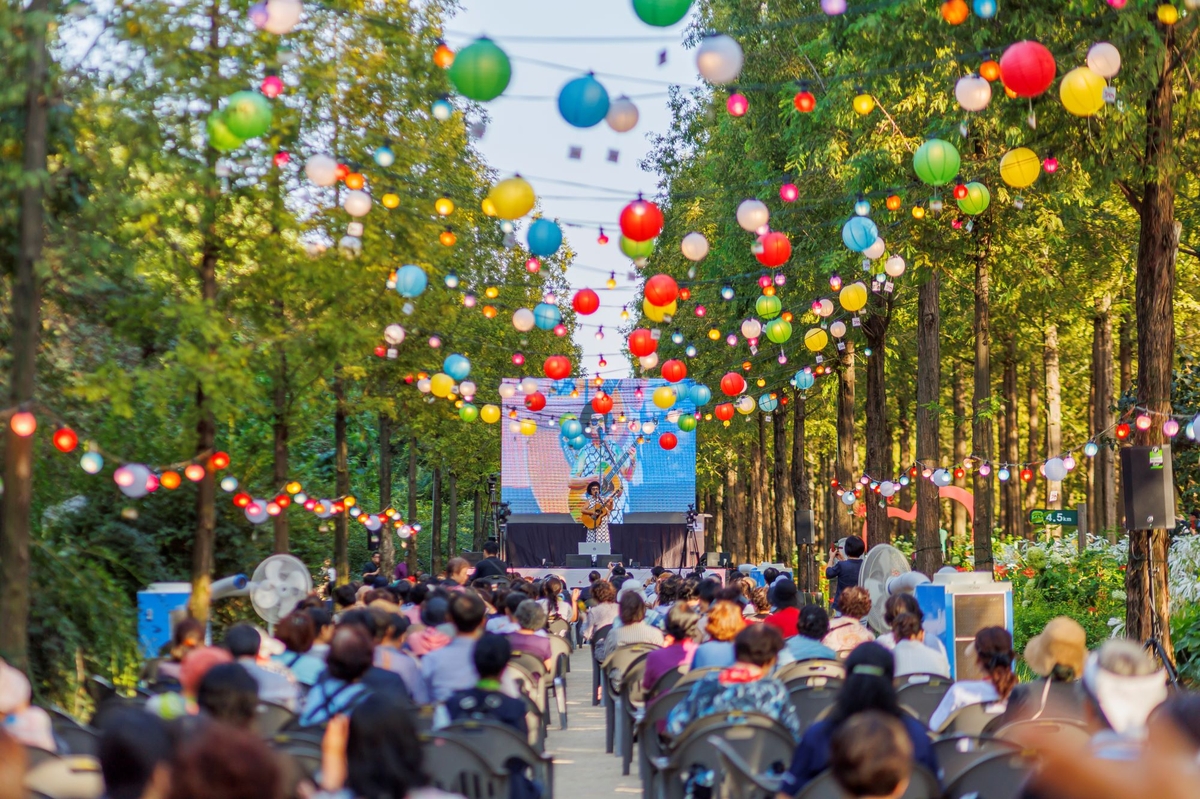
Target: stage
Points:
(578, 578)
(537, 540)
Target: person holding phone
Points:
(844, 565)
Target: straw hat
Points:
(1062, 643)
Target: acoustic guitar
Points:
(592, 517)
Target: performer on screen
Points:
(612, 466)
(597, 508)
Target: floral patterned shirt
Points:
(732, 690)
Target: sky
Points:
(566, 38)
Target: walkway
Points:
(581, 768)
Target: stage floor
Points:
(578, 578)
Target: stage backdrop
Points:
(548, 473)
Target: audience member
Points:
(911, 654)
(787, 608)
(30, 725)
(297, 632)
(905, 603)
(760, 604)
(229, 694)
(1122, 686)
(195, 665)
(452, 667)
(531, 637)
(390, 655)
(222, 762)
(491, 565)
(323, 629)
(604, 610)
(683, 627)
(870, 755)
(555, 604)
(340, 689)
(135, 756)
(844, 566)
(993, 653)
(723, 622)
(432, 635)
(275, 682)
(484, 700)
(812, 626)
(706, 593)
(372, 571)
(1056, 655)
(633, 628)
(187, 635)
(374, 623)
(457, 573)
(745, 686)
(848, 630)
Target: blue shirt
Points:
(307, 668)
(803, 648)
(846, 572)
(812, 755)
(713, 653)
(450, 669)
(330, 697)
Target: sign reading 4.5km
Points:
(1068, 518)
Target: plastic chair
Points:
(997, 775)
(923, 698)
(77, 740)
(612, 671)
(921, 679)
(958, 753)
(695, 675)
(972, 719)
(813, 667)
(458, 767)
(500, 746)
(762, 743)
(600, 636)
(562, 650)
(270, 718)
(559, 627)
(812, 702)
(631, 701)
(37, 755)
(305, 753)
(651, 743)
(921, 785)
(665, 683)
(1061, 728)
(741, 780)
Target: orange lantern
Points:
(955, 11)
(170, 480)
(989, 70)
(489, 312)
(893, 202)
(447, 238)
(355, 180)
(194, 472)
(443, 56)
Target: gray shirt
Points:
(275, 683)
(450, 669)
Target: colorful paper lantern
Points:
(220, 137)
(1027, 68)
(544, 238)
(955, 11)
(481, 70)
(973, 92)
(1082, 92)
(602, 403)
(694, 246)
(622, 115)
(719, 59)
(512, 198)
(816, 339)
(411, 281)
(535, 401)
(859, 233)
(490, 414)
(546, 316)
(636, 249)
(687, 423)
(457, 366)
(674, 370)
(853, 297)
(700, 394)
(1020, 167)
(1104, 59)
(663, 397)
(767, 403)
(586, 302)
(656, 313)
(804, 101)
(752, 215)
(468, 412)
(936, 162)
(977, 200)
(776, 249)
(557, 367)
(642, 342)
(768, 306)
(661, 290)
(247, 114)
(668, 441)
(724, 411)
(804, 379)
(641, 220)
(583, 102)
(733, 384)
(65, 439)
(661, 13)
(441, 384)
(779, 331)
(737, 105)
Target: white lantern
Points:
(719, 59)
(523, 320)
(357, 203)
(875, 250)
(322, 170)
(373, 523)
(394, 335)
(1104, 59)
(694, 246)
(894, 266)
(132, 479)
(752, 214)
(1055, 470)
(824, 307)
(423, 385)
(282, 16)
(848, 497)
(751, 328)
(507, 391)
(622, 115)
(942, 478)
(467, 389)
(514, 427)
(350, 246)
(648, 362)
(887, 488)
(837, 329)
(673, 416)
(973, 93)
(648, 427)
(529, 385)
(745, 405)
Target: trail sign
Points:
(1068, 518)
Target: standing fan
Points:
(278, 585)
(881, 568)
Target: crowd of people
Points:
(359, 664)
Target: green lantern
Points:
(637, 249)
(468, 412)
(687, 423)
(220, 137)
(247, 114)
(779, 330)
(936, 162)
(481, 70)
(977, 200)
(768, 306)
(661, 13)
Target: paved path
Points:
(582, 770)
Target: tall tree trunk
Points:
(1054, 497)
(1148, 603)
(435, 524)
(477, 532)
(879, 456)
(754, 530)
(281, 432)
(801, 496)
(387, 533)
(714, 528)
(847, 458)
(1012, 441)
(341, 521)
(929, 375)
(785, 541)
(958, 401)
(1126, 353)
(411, 517)
(452, 515)
(904, 450)
(26, 321)
(1032, 445)
(981, 412)
(1104, 496)
(1001, 444)
(730, 510)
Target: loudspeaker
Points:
(805, 526)
(1148, 485)
(606, 561)
(579, 561)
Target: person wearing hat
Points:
(1056, 655)
(787, 609)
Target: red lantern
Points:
(242, 499)
(724, 411)
(642, 343)
(733, 384)
(586, 302)
(1026, 474)
(776, 249)
(557, 367)
(602, 403)
(685, 294)
(788, 192)
(668, 441)
(219, 460)
(661, 290)
(1027, 68)
(737, 105)
(805, 102)
(65, 439)
(381, 351)
(283, 500)
(674, 370)
(535, 401)
(641, 220)
(1122, 431)
(194, 472)
(271, 86)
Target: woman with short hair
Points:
(633, 628)
(848, 630)
(724, 622)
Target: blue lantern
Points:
(859, 233)
(457, 367)
(546, 316)
(544, 237)
(1090, 449)
(676, 337)
(767, 403)
(691, 351)
(985, 9)
(410, 281)
(442, 110)
(583, 102)
(727, 292)
(384, 156)
(571, 429)
(579, 442)
(862, 207)
(804, 380)
(700, 394)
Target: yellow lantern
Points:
(292, 487)
(390, 200)
(1020, 167)
(657, 313)
(714, 334)
(490, 414)
(440, 384)
(1082, 92)
(664, 397)
(864, 104)
(816, 339)
(489, 207)
(853, 297)
(444, 206)
(491, 292)
(528, 427)
(1168, 14)
(513, 198)
(349, 502)
(918, 212)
